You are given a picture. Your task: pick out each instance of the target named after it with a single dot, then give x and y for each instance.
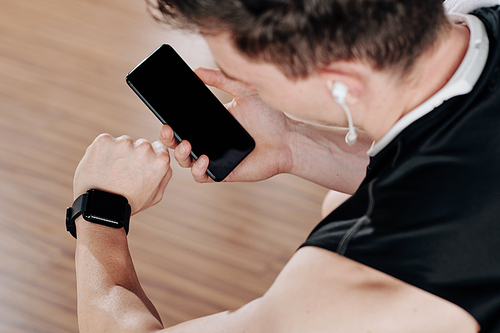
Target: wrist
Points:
(285, 151)
(87, 230)
(101, 208)
(321, 155)
(301, 146)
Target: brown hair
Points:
(301, 36)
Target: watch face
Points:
(106, 208)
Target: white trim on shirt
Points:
(460, 83)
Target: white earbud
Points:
(339, 93)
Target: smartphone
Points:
(175, 94)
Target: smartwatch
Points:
(99, 207)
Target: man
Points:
(415, 249)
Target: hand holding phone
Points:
(174, 93)
(270, 128)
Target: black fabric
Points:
(428, 212)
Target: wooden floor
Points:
(204, 249)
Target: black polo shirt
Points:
(428, 211)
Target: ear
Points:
(351, 74)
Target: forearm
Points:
(110, 298)
(320, 154)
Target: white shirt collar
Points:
(467, 6)
(460, 83)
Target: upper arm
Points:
(320, 291)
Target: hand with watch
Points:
(117, 178)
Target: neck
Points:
(435, 69)
(431, 72)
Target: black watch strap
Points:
(118, 206)
(72, 213)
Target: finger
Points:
(160, 190)
(199, 170)
(163, 185)
(182, 154)
(217, 79)
(159, 148)
(122, 144)
(167, 137)
(162, 154)
(124, 138)
(102, 139)
(142, 142)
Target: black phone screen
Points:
(180, 99)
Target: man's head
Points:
(302, 36)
